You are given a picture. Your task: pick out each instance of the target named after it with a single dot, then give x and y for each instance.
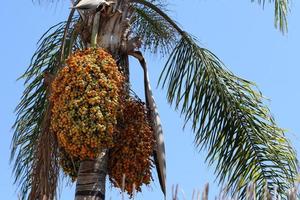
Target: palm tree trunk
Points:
(91, 178)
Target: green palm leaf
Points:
(229, 118)
(29, 128)
(153, 30)
(280, 13)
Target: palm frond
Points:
(281, 8)
(30, 129)
(230, 120)
(155, 32)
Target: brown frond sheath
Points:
(159, 152)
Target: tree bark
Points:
(91, 178)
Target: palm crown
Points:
(227, 113)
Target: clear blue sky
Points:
(239, 32)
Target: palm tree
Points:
(227, 113)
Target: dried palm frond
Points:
(33, 146)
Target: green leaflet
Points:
(281, 9)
